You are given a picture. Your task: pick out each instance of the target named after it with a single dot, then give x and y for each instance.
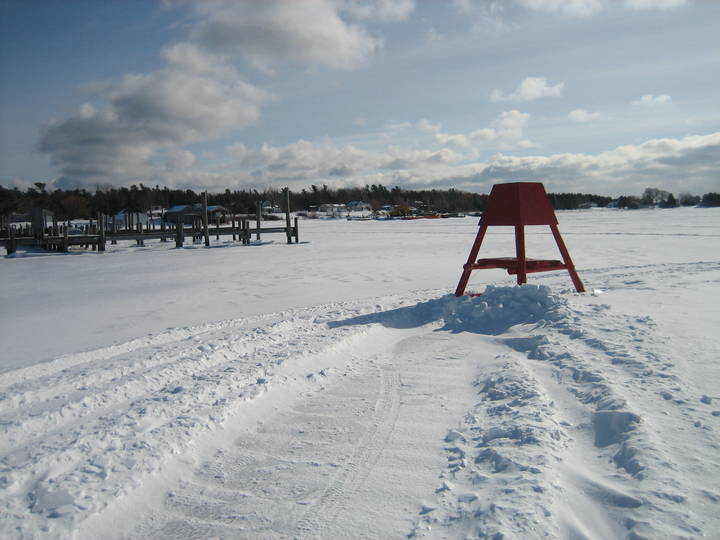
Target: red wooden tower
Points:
(518, 204)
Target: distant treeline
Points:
(80, 203)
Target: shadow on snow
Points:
(493, 313)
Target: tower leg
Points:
(566, 259)
(520, 254)
(467, 268)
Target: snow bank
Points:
(492, 313)
(500, 308)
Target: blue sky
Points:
(595, 96)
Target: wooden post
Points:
(232, 226)
(180, 231)
(217, 227)
(163, 228)
(114, 229)
(205, 219)
(139, 229)
(467, 267)
(12, 244)
(288, 230)
(66, 242)
(520, 254)
(101, 231)
(257, 221)
(38, 224)
(566, 259)
(297, 231)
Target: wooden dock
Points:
(95, 235)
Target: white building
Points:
(332, 210)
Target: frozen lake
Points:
(334, 389)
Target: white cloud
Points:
(397, 126)
(464, 6)
(178, 160)
(236, 150)
(423, 126)
(198, 95)
(195, 96)
(650, 100)
(458, 140)
(530, 89)
(87, 111)
(690, 163)
(586, 8)
(304, 162)
(524, 143)
(654, 4)
(486, 15)
(426, 126)
(490, 11)
(379, 10)
(505, 131)
(310, 33)
(581, 115)
(687, 164)
(579, 8)
(190, 58)
(510, 124)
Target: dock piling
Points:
(257, 221)
(101, 232)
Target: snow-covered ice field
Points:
(336, 389)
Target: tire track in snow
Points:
(607, 362)
(653, 446)
(586, 395)
(65, 363)
(619, 277)
(102, 445)
(355, 470)
(199, 365)
(310, 462)
(293, 475)
(500, 461)
(90, 383)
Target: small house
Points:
(358, 206)
(332, 210)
